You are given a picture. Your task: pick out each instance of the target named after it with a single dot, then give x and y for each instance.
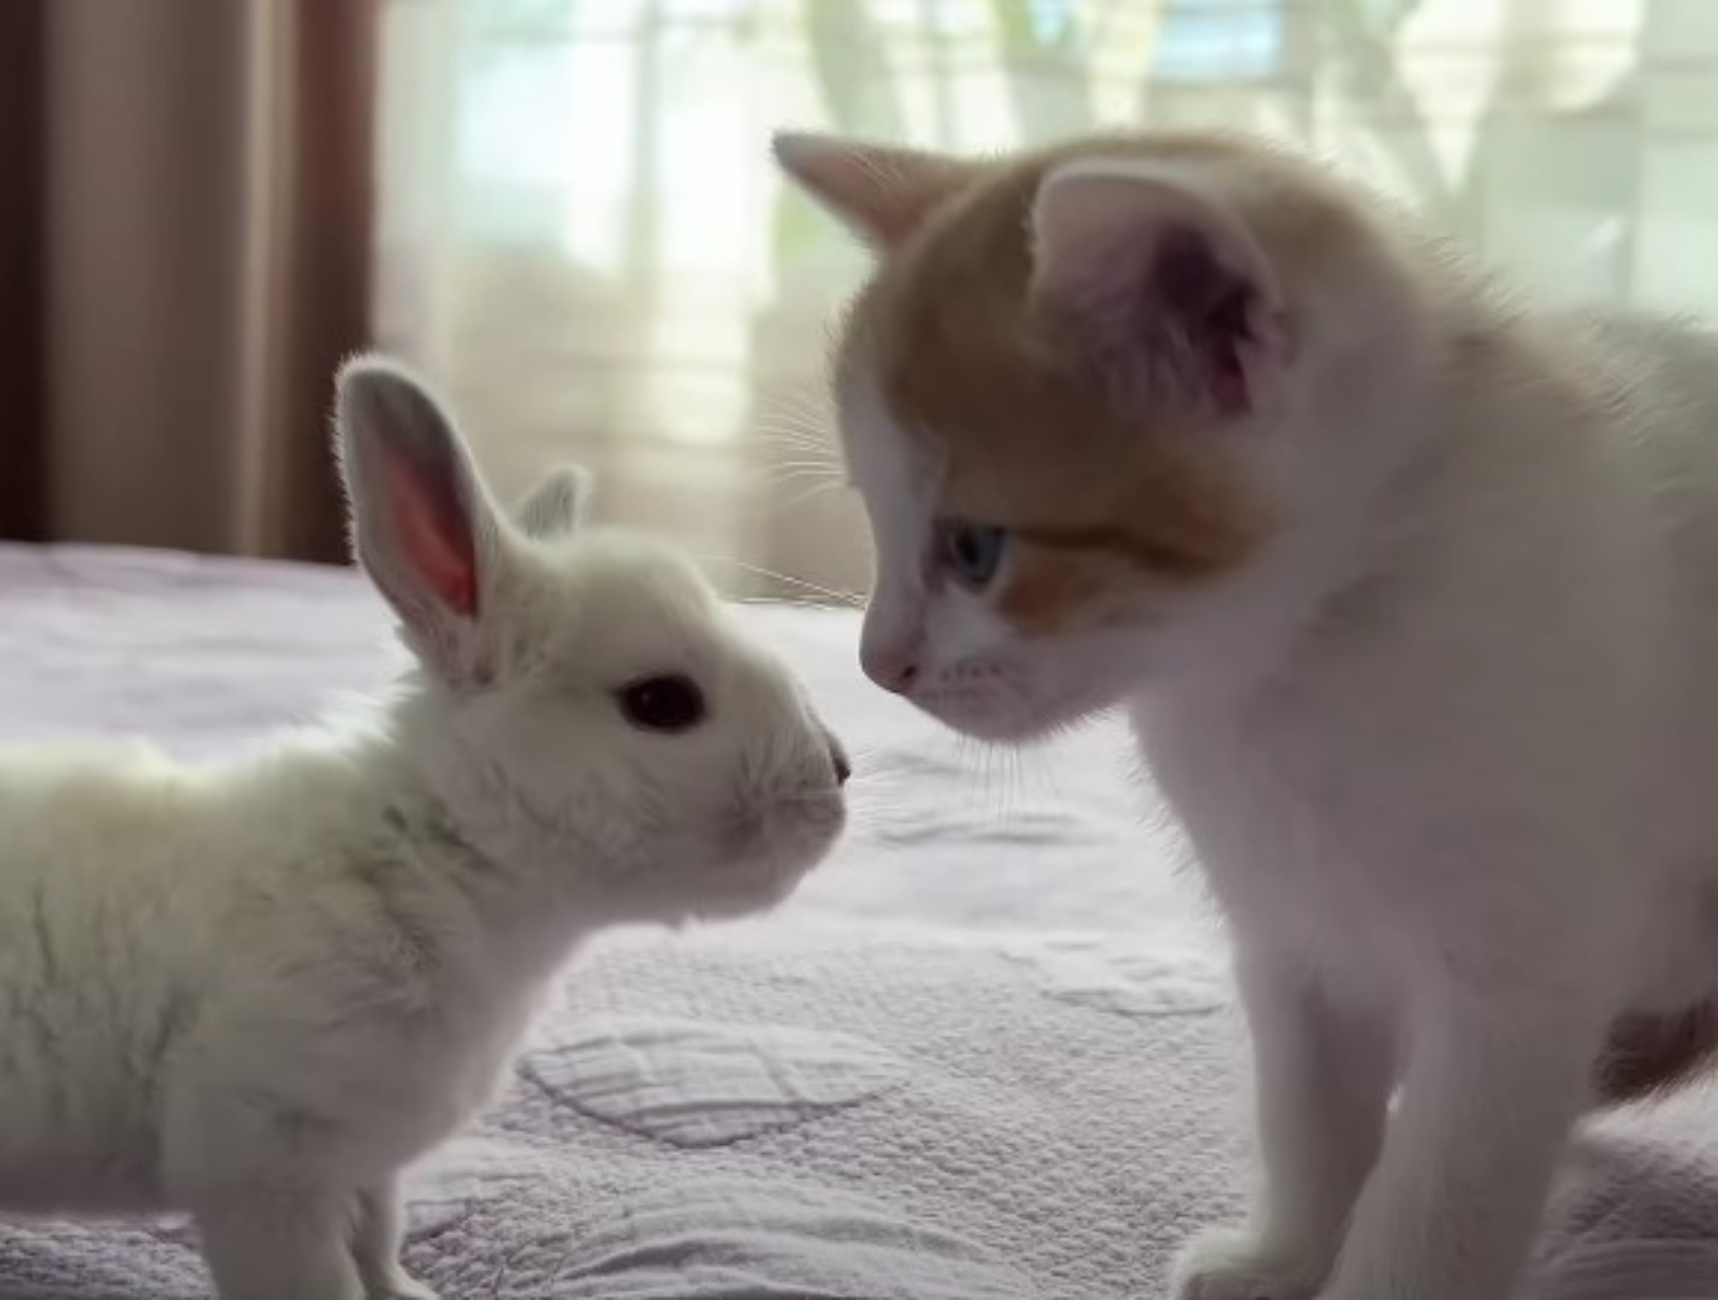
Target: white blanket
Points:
(987, 1054)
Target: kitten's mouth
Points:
(1014, 720)
(990, 730)
(1009, 721)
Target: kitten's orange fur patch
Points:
(1098, 496)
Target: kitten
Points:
(1410, 590)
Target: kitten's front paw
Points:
(1231, 1264)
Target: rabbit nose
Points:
(838, 760)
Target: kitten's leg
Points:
(1323, 1085)
(1494, 1085)
(378, 1235)
(271, 1243)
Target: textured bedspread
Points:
(987, 1054)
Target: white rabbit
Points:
(254, 992)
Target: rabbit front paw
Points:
(1232, 1264)
(402, 1287)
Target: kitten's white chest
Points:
(1280, 860)
(1323, 845)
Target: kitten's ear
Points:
(1160, 278)
(556, 506)
(423, 526)
(881, 193)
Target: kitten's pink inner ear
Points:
(434, 531)
(1150, 266)
(1081, 222)
(882, 193)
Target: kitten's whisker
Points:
(821, 597)
(790, 602)
(798, 479)
(796, 438)
(802, 420)
(789, 473)
(815, 404)
(807, 494)
(849, 598)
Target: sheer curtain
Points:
(582, 238)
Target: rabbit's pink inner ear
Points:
(434, 532)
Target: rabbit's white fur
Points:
(254, 992)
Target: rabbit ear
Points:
(423, 526)
(556, 506)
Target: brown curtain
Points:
(185, 246)
(22, 386)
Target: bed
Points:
(988, 1053)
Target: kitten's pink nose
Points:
(893, 668)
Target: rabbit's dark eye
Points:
(671, 703)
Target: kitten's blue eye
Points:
(973, 552)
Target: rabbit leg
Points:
(378, 1234)
(274, 1243)
(268, 1190)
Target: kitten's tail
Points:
(1631, 1270)
(1650, 1055)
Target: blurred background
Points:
(564, 211)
